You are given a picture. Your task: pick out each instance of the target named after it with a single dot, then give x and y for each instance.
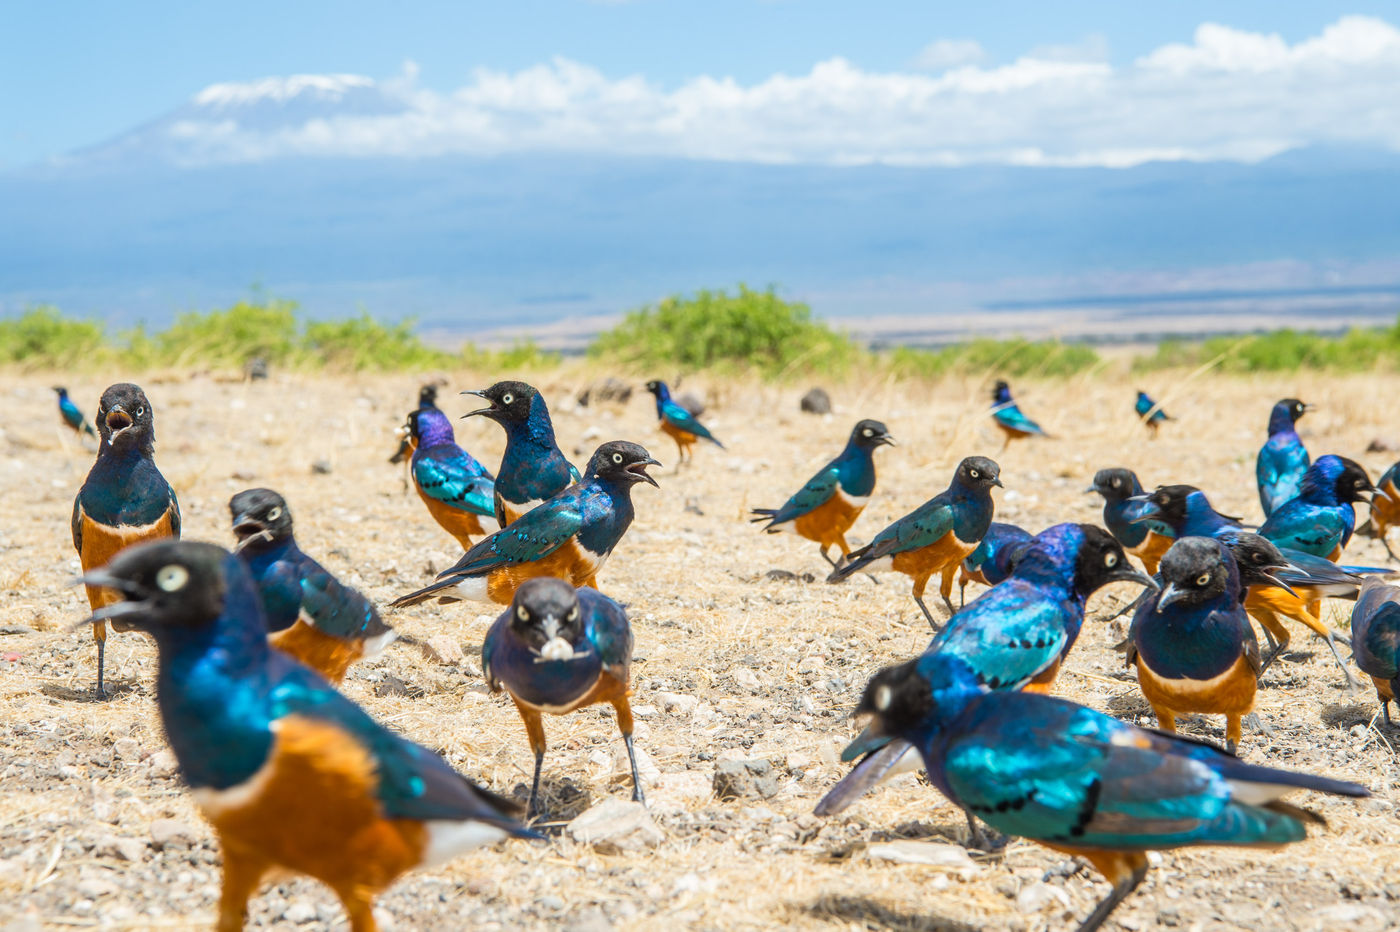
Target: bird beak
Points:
(118, 421)
(887, 440)
(1148, 512)
(1128, 574)
(115, 610)
(871, 738)
(1269, 575)
(1169, 595)
(997, 482)
(1091, 489)
(487, 411)
(107, 581)
(640, 470)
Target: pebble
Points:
(927, 853)
(299, 911)
(127, 749)
(746, 779)
(1033, 898)
(677, 702)
(171, 833)
(746, 679)
(616, 825)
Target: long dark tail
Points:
(426, 593)
(763, 514)
(857, 561)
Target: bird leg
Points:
(99, 631)
(1122, 887)
(1257, 725)
(827, 557)
(242, 874)
(624, 725)
(1352, 683)
(534, 728)
(360, 908)
(919, 583)
(1385, 710)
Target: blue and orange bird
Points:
(1192, 642)
(1150, 413)
(1008, 417)
(557, 649)
(1078, 781)
(457, 489)
(72, 417)
(124, 500)
(1014, 636)
(678, 423)
(1147, 540)
(1375, 639)
(935, 537)
(1282, 459)
(532, 467)
(311, 615)
(290, 773)
(570, 536)
(824, 509)
(1385, 508)
(427, 398)
(993, 559)
(1321, 519)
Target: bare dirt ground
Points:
(96, 831)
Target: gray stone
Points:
(746, 779)
(125, 849)
(172, 833)
(321, 467)
(816, 401)
(616, 825)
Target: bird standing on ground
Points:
(71, 416)
(290, 773)
(824, 509)
(1147, 540)
(457, 489)
(935, 537)
(532, 467)
(1385, 508)
(427, 398)
(557, 649)
(1149, 412)
(1009, 419)
(995, 556)
(1078, 781)
(1375, 639)
(678, 423)
(310, 614)
(1282, 459)
(569, 536)
(1320, 520)
(124, 500)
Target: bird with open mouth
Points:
(532, 467)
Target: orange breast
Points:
(463, 525)
(102, 543)
(1383, 688)
(1044, 682)
(1270, 599)
(933, 558)
(570, 562)
(1152, 549)
(684, 438)
(608, 689)
(828, 522)
(1232, 692)
(1385, 509)
(328, 656)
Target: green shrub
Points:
(1358, 349)
(1017, 357)
(524, 355)
(42, 338)
(360, 343)
(231, 337)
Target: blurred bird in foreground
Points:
(1149, 412)
(1282, 459)
(556, 649)
(678, 423)
(824, 509)
(289, 772)
(532, 467)
(1009, 419)
(1375, 639)
(1147, 540)
(310, 614)
(72, 417)
(457, 489)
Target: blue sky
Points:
(78, 73)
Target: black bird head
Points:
(622, 461)
(259, 515)
(1168, 503)
(124, 417)
(1258, 560)
(411, 425)
(546, 615)
(1114, 484)
(657, 387)
(427, 395)
(897, 699)
(507, 402)
(978, 472)
(1296, 409)
(1101, 561)
(62, 392)
(869, 434)
(1352, 484)
(1194, 571)
(166, 585)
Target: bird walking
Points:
(1122, 506)
(935, 537)
(1282, 459)
(310, 614)
(532, 467)
(570, 536)
(457, 489)
(427, 398)
(71, 416)
(1150, 413)
(124, 500)
(678, 423)
(556, 649)
(1375, 639)
(289, 772)
(1321, 519)
(1009, 419)
(824, 509)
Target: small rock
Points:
(622, 767)
(927, 853)
(244, 475)
(1035, 897)
(447, 647)
(746, 779)
(162, 762)
(126, 849)
(810, 664)
(677, 702)
(745, 678)
(616, 825)
(816, 401)
(788, 576)
(1382, 445)
(692, 403)
(171, 833)
(299, 911)
(1353, 916)
(321, 467)
(127, 749)
(94, 888)
(680, 790)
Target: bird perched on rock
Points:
(557, 649)
(1150, 413)
(310, 614)
(124, 500)
(1009, 419)
(289, 772)
(1282, 459)
(935, 537)
(824, 509)
(995, 556)
(1078, 781)
(569, 536)
(427, 398)
(1320, 520)
(1375, 639)
(678, 423)
(70, 415)
(1147, 540)
(532, 468)
(457, 489)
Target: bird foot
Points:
(1257, 725)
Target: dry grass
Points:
(74, 774)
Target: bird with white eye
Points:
(557, 649)
(532, 467)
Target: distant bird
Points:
(935, 537)
(557, 649)
(71, 416)
(427, 398)
(1385, 508)
(1079, 781)
(457, 489)
(1014, 636)
(994, 557)
(1009, 419)
(1375, 639)
(1282, 459)
(569, 536)
(678, 423)
(1192, 642)
(290, 773)
(1151, 415)
(1146, 540)
(1320, 520)
(824, 509)
(311, 615)
(532, 468)
(124, 500)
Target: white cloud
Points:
(1228, 94)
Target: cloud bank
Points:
(1226, 95)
